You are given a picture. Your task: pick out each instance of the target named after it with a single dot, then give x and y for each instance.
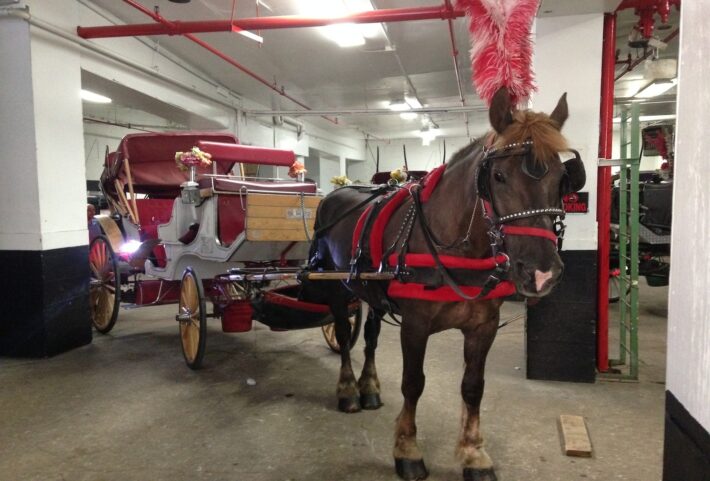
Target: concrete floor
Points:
(127, 408)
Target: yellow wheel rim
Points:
(190, 305)
(102, 289)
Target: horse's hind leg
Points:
(369, 384)
(348, 392)
(408, 459)
(477, 465)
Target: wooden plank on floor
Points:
(575, 436)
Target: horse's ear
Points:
(500, 114)
(560, 113)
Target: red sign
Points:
(576, 202)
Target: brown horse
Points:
(519, 179)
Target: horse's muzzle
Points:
(531, 281)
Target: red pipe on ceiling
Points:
(266, 23)
(606, 113)
(455, 53)
(165, 22)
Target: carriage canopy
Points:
(148, 161)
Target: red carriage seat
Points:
(152, 213)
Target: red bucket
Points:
(237, 317)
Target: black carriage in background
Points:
(655, 213)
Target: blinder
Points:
(575, 176)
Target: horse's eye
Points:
(499, 177)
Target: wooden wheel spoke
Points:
(104, 289)
(192, 319)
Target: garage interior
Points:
(622, 342)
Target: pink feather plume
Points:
(501, 46)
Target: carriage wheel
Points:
(355, 325)
(192, 319)
(614, 289)
(104, 285)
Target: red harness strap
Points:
(453, 262)
(379, 224)
(529, 231)
(411, 290)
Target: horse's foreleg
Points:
(348, 393)
(477, 465)
(369, 384)
(408, 459)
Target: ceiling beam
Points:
(348, 112)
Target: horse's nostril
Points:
(541, 278)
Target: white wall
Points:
(688, 371)
(568, 52)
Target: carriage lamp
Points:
(126, 250)
(190, 193)
(130, 247)
(189, 161)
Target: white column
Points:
(43, 234)
(688, 373)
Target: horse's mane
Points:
(538, 127)
(464, 152)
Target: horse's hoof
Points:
(472, 474)
(349, 404)
(370, 401)
(410, 469)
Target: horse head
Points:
(522, 180)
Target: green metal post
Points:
(634, 244)
(624, 133)
(623, 264)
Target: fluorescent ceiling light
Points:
(409, 115)
(248, 34)
(90, 96)
(399, 105)
(413, 102)
(657, 87)
(265, 5)
(648, 118)
(428, 134)
(344, 34)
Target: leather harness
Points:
(431, 276)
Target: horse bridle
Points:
(499, 225)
